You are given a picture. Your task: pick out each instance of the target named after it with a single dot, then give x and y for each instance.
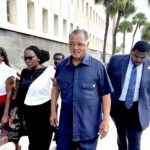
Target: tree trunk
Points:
(124, 38)
(115, 33)
(134, 35)
(105, 37)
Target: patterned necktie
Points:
(131, 88)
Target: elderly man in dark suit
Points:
(130, 109)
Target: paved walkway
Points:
(108, 143)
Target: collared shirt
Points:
(82, 88)
(127, 79)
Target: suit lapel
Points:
(124, 64)
(144, 73)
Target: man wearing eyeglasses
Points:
(84, 86)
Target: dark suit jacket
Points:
(117, 68)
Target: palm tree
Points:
(124, 9)
(145, 35)
(106, 4)
(113, 7)
(125, 26)
(139, 20)
(110, 11)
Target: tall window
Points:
(93, 15)
(96, 18)
(55, 25)
(11, 11)
(82, 6)
(31, 15)
(71, 1)
(45, 20)
(90, 37)
(90, 12)
(77, 3)
(87, 9)
(64, 28)
(71, 27)
(93, 40)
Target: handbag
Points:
(13, 129)
(10, 132)
(3, 136)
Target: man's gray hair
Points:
(77, 31)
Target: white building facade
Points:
(47, 24)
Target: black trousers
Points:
(128, 126)
(38, 126)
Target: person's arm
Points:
(18, 99)
(10, 84)
(54, 98)
(106, 104)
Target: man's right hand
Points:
(53, 119)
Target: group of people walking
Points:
(33, 95)
(90, 93)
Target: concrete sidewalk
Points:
(108, 143)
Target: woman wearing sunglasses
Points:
(33, 97)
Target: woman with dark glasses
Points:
(33, 97)
(7, 85)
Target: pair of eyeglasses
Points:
(80, 45)
(28, 58)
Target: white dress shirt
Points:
(127, 79)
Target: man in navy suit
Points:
(130, 122)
